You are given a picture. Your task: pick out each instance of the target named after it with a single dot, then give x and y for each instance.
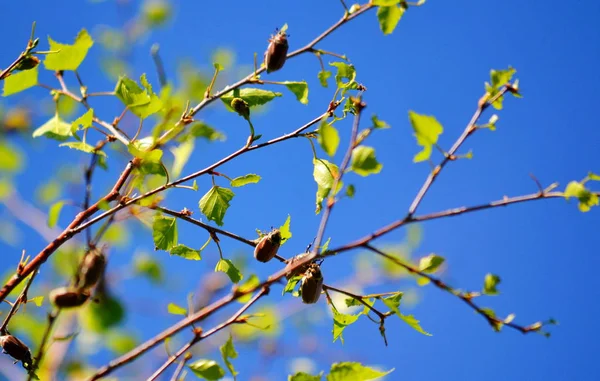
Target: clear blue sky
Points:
(434, 63)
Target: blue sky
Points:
(435, 62)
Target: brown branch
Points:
(52, 317)
(180, 367)
(21, 299)
(199, 336)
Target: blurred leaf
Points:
(240, 181)
(164, 232)
(141, 102)
(207, 369)
(55, 128)
(324, 174)
(300, 90)
(254, 97)
(185, 252)
(323, 76)
(120, 342)
(226, 266)
(249, 284)
(98, 316)
(490, 283)
(145, 265)
(224, 57)
(174, 309)
(19, 81)
(48, 192)
(379, 124)
(82, 146)
(353, 371)
(350, 191)
(389, 17)
(228, 352)
(586, 198)
(427, 130)
(430, 263)
(301, 376)
(285, 231)
(266, 322)
(68, 57)
(215, 202)
(182, 154)
(156, 12)
(203, 130)
(115, 235)
(328, 137)
(364, 162)
(54, 213)
(38, 300)
(11, 159)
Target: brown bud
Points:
(17, 349)
(92, 268)
(300, 270)
(268, 245)
(312, 284)
(241, 107)
(65, 297)
(276, 52)
(27, 63)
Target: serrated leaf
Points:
(68, 57)
(84, 121)
(586, 198)
(291, 284)
(414, 323)
(345, 75)
(301, 376)
(328, 137)
(207, 369)
(82, 146)
(215, 203)
(227, 267)
(430, 263)
(54, 213)
(324, 174)
(174, 309)
(323, 76)
(300, 90)
(228, 352)
(240, 181)
(393, 303)
(164, 232)
(364, 162)
(248, 285)
(427, 130)
(490, 283)
(141, 101)
(388, 17)
(354, 371)
(378, 123)
(19, 81)
(498, 79)
(340, 322)
(254, 97)
(182, 154)
(284, 230)
(55, 128)
(185, 252)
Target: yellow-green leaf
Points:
(328, 138)
(174, 309)
(240, 181)
(55, 128)
(364, 161)
(68, 57)
(300, 90)
(389, 17)
(19, 81)
(427, 130)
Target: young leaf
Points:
(203, 130)
(300, 90)
(328, 137)
(185, 252)
(353, 371)
(414, 324)
(340, 322)
(240, 181)
(227, 267)
(38, 300)
(228, 352)
(393, 302)
(378, 123)
(427, 130)
(248, 285)
(430, 263)
(284, 230)
(54, 213)
(291, 284)
(364, 161)
(82, 146)
(207, 369)
(164, 232)
(182, 154)
(586, 198)
(323, 76)
(254, 97)
(19, 81)
(345, 76)
(350, 191)
(84, 121)
(490, 284)
(55, 128)
(324, 174)
(215, 203)
(498, 78)
(174, 309)
(68, 57)
(301, 376)
(389, 17)
(141, 102)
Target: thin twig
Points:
(21, 299)
(52, 317)
(180, 367)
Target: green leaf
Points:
(593, 176)
(203, 130)
(254, 97)
(185, 252)
(427, 130)
(353, 371)
(55, 128)
(228, 352)
(393, 303)
(345, 76)
(174, 309)
(164, 232)
(227, 267)
(364, 161)
(38, 300)
(141, 102)
(414, 324)
(291, 284)
(182, 154)
(147, 266)
(389, 17)
(300, 90)
(324, 174)
(248, 285)
(490, 283)
(379, 124)
(11, 159)
(499, 78)
(207, 369)
(285, 231)
(19, 81)
(82, 146)
(301, 376)
(340, 322)
(430, 263)
(68, 57)
(323, 76)
(215, 203)
(350, 191)
(102, 314)
(240, 181)
(120, 342)
(84, 121)
(586, 198)
(328, 137)
(54, 213)
(385, 3)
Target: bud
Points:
(92, 268)
(300, 270)
(312, 284)
(17, 349)
(241, 107)
(27, 63)
(268, 245)
(65, 297)
(277, 51)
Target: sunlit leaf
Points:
(389, 17)
(324, 174)
(68, 57)
(340, 322)
(490, 284)
(427, 130)
(328, 137)
(140, 101)
(83, 147)
(185, 252)
(300, 90)
(364, 161)
(164, 232)
(55, 128)
(353, 371)
(174, 309)
(254, 97)
(207, 369)
(240, 181)
(430, 263)
(227, 267)
(228, 352)
(215, 203)
(19, 81)
(284, 230)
